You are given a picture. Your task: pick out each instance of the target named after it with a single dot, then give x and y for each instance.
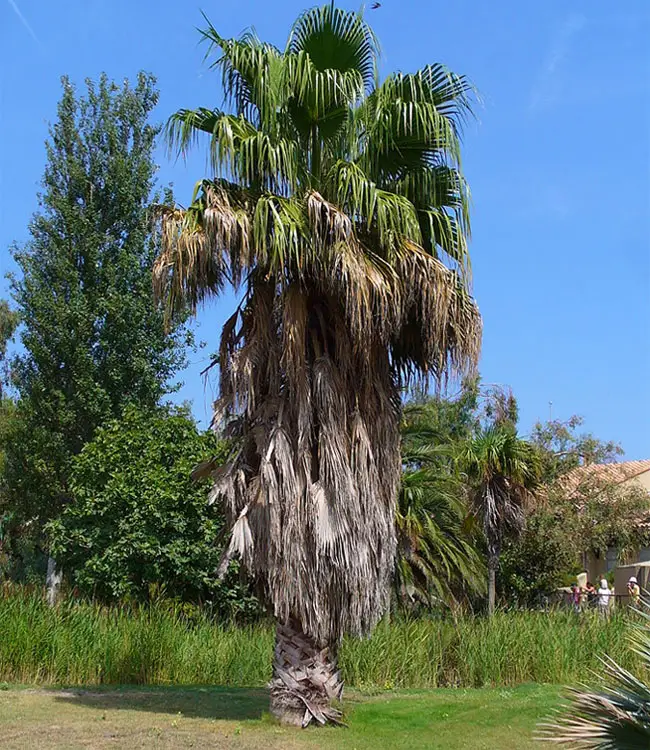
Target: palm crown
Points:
(503, 471)
(329, 177)
(339, 206)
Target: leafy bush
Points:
(544, 557)
(138, 522)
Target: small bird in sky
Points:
(374, 6)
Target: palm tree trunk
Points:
(306, 679)
(52, 581)
(492, 585)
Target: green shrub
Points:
(138, 523)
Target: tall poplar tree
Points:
(93, 339)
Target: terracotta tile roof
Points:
(597, 474)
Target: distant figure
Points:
(592, 594)
(603, 597)
(576, 597)
(634, 591)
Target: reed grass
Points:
(82, 643)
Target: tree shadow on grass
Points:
(231, 704)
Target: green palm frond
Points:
(401, 135)
(436, 554)
(449, 93)
(261, 161)
(322, 93)
(437, 551)
(336, 40)
(349, 186)
(498, 450)
(251, 73)
(503, 470)
(441, 197)
(280, 226)
(184, 127)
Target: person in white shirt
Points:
(604, 595)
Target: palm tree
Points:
(437, 558)
(339, 208)
(501, 470)
(436, 555)
(614, 717)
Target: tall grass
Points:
(507, 650)
(82, 643)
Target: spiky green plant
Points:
(437, 556)
(338, 206)
(615, 716)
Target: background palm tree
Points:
(501, 470)
(339, 209)
(614, 717)
(437, 556)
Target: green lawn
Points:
(175, 718)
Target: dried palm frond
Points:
(336, 205)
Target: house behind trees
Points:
(620, 493)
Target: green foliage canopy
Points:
(138, 519)
(438, 555)
(93, 339)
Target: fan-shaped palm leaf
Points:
(502, 470)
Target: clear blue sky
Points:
(559, 166)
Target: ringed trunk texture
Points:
(306, 680)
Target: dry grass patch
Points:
(216, 718)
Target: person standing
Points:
(604, 595)
(576, 598)
(592, 595)
(634, 592)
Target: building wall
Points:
(597, 566)
(644, 480)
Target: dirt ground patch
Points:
(216, 718)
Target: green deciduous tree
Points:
(338, 205)
(93, 339)
(611, 515)
(576, 511)
(8, 325)
(562, 448)
(545, 556)
(138, 519)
